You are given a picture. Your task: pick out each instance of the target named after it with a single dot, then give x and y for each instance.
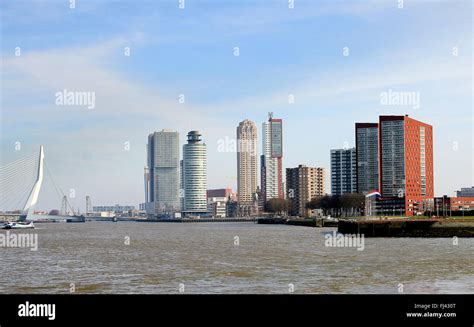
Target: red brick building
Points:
(446, 206)
(219, 193)
(406, 162)
(464, 203)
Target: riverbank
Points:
(199, 220)
(308, 222)
(408, 227)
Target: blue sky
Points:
(190, 51)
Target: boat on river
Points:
(19, 225)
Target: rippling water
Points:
(204, 258)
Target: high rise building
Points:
(181, 185)
(406, 162)
(162, 173)
(343, 171)
(272, 158)
(367, 157)
(194, 178)
(246, 162)
(303, 184)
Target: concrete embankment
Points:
(310, 222)
(200, 220)
(408, 227)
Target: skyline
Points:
(167, 151)
(191, 52)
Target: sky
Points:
(335, 58)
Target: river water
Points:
(132, 257)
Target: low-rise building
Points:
(219, 193)
(116, 208)
(446, 206)
(216, 206)
(466, 192)
(462, 203)
(376, 205)
(231, 208)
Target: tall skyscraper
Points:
(194, 177)
(162, 173)
(303, 184)
(272, 158)
(181, 185)
(367, 157)
(343, 171)
(246, 162)
(406, 161)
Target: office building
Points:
(343, 171)
(220, 193)
(246, 162)
(465, 192)
(367, 163)
(194, 176)
(272, 158)
(446, 206)
(406, 163)
(303, 184)
(162, 173)
(217, 206)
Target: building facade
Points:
(343, 171)
(231, 209)
(367, 157)
(194, 176)
(246, 162)
(303, 184)
(217, 206)
(466, 192)
(162, 173)
(116, 208)
(406, 162)
(462, 204)
(446, 206)
(220, 193)
(272, 158)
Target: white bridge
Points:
(20, 184)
